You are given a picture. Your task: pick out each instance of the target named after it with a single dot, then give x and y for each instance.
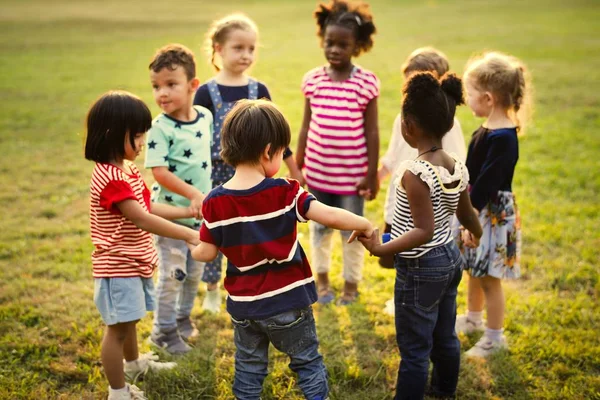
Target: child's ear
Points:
(195, 84)
(489, 99)
(406, 126)
(265, 155)
(217, 48)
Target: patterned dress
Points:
(491, 161)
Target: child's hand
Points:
(196, 205)
(192, 246)
(366, 233)
(468, 239)
(371, 243)
(368, 188)
(366, 194)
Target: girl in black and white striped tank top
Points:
(444, 200)
(430, 189)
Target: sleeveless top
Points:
(221, 110)
(443, 199)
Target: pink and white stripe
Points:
(336, 149)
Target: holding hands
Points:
(196, 205)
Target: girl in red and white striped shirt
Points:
(121, 223)
(338, 146)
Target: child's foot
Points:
(347, 298)
(144, 363)
(170, 341)
(465, 325)
(326, 296)
(212, 301)
(127, 393)
(390, 308)
(187, 329)
(486, 347)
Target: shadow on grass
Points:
(495, 377)
(195, 375)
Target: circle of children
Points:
(213, 152)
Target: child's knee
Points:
(490, 284)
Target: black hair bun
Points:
(452, 86)
(421, 85)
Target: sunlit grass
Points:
(57, 57)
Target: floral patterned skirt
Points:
(499, 251)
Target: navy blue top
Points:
(230, 94)
(491, 162)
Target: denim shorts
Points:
(123, 299)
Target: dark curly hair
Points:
(431, 103)
(172, 56)
(354, 16)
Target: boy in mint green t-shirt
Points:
(178, 152)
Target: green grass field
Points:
(58, 56)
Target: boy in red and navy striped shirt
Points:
(252, 220)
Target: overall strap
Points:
(252, 89)
(215, 95)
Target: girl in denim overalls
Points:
(429, 190)
(233, 40)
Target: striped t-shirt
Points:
(267, 270)
(121, 248)
(443, 199)
(336, 148)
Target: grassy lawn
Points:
(58, 56)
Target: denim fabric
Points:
(425, 301)
(321, 236)
(123, 299)
(175, 293)
(293, 333)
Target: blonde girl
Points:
(497, 90)
(232, 43)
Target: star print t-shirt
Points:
(184, 148)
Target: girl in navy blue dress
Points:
(497, 90)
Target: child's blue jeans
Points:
(293, 333)
(425, 300)
(175, 293)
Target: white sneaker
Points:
(390, 308)
(485, 347)
(466, 326)
(133, 392)
(145, 362)
(212, 301)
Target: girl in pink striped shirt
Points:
(338, 146)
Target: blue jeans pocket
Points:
(429, 290)
(287, 320)
(293, 332)
(244, 323)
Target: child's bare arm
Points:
(467, 216)
(302, 136)
(133, 211)
(370, 184)
(173, 183)
(171, 212)
(422, 213)
(338, 218)
(205, 252)
(295, 172)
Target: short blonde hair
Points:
(507, 79)
(426, 59)
(221, 28)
